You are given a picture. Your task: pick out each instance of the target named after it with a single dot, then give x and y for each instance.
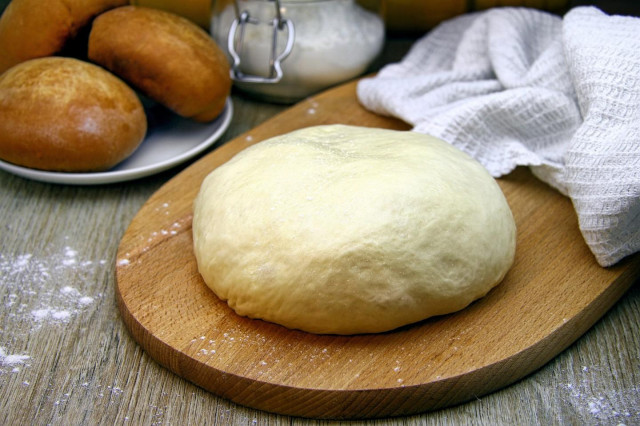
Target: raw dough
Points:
(343, 230)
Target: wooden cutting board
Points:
(554, 292)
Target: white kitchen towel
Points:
(521, 87)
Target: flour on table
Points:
(47, 283)
(40, 290)
(12, 360)
(592, 406)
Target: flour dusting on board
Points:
(156, 236)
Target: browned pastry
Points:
(33, 28)
(63, 114)
(165, 56)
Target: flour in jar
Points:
(335, 40)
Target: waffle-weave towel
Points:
(522, 87)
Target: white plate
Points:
(170, 140)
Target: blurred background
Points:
(413, 16)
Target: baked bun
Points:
(63, 114)
(33, 29)
(168, 58)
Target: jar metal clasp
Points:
(236, 39)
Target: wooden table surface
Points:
(66, 357)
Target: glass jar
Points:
(289, 49)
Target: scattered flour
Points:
(48, 280)
(85, 300)
(38, 291)
(594, 407)
(47, 313)
(12, 360)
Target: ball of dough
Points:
(343, 230)
(168, 58)
(33, 29)
(66, 115)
